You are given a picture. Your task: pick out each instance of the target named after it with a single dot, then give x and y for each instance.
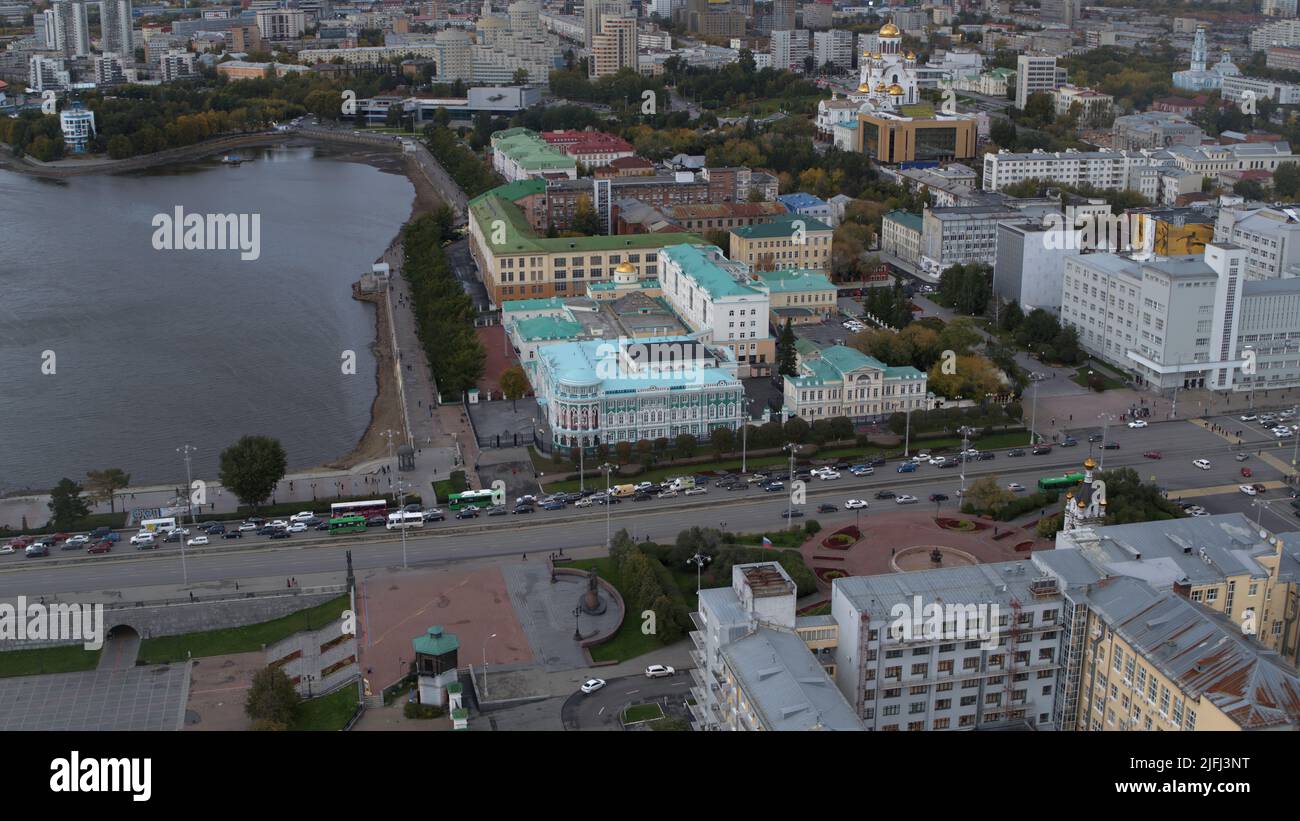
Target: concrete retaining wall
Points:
(172, 619)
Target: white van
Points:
(402, 520)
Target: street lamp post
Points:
(907, 432)
(186, 449)
(609, 469)
(1106, 419)
(792, 447)
(965, 444)
(1033, 416)
(401, 507)
(485, 641)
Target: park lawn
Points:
(244, 639)
(69, 658)
(642, 712)
(1108, 383)
(994, 441)
(629, 642)
(327, 713)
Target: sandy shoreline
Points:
(386, 409)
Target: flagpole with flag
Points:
(767, 542)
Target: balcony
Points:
(697, 638)
(697, 621)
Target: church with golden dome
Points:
(887, 79)
(1085, 505)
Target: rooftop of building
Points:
(907, 219)
(766, 579)
(705, 264)
(1193, 550)
(435, 642)
(519, 237)
(794, 280)
(787, 687)
(530, 152)
(782, 227)
(801, 199)
(726, 209)
(1205, 653)
(999, 583)
(601, 363)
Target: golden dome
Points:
(1082, 504)
(911, 56)
(889, 30)
(875, 55)
(625, 268)
(1089, 463)
(880, 87)
(865, 88)
(896, 90)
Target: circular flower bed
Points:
(843, 539)
(829, 574)
(961, 525)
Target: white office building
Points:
(1271, 237)
(1030, 264)
(959, 648)
(1036, 74)
(1106, 170)
(47, 74)
(66, 28)
(834, 46)
(713, 296)
(789, 48)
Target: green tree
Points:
(585, 219)
(119, 147)
(252, 467)
(520, 77)
(514, 384)
(272, 697)
(723, 441)
(786, 356)
(66, 505)
(104, 484)
(686, 445)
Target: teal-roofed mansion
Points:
(602, 392)
(843, 381)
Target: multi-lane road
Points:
(544, 531)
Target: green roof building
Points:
(841, 381)
(520, 154)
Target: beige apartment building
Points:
(791, 241)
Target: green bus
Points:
(348, 524)
(478, 498)
(1069, 480)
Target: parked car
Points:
(658, 671)
(591, 685)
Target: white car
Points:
(247, 526)
(905, 499)
(298, 527)
(197, 541)
(279, 523)
(591, 685)
(1281, 432)
(7, 548)
(696, 491)
(302, 517)
(1138, 423)
(1246, 489)
(830, 474)
(1249, 417)
(79, 540)
(866, 471)
(583, 502)
(921, 457)
(938, 460)
(855, 504)
(659, 671)
(1198, 511)
(142, 538)
(1203, 464)
(183, 531)
(667, 494)
(1016, 487)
